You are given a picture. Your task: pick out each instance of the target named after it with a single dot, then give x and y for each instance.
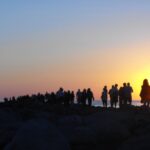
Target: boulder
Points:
(109, 127)
(8, 116)
(137, 143)
(38, 135)
(7, 132)
(73, 120)
(68, 124)
(83, 136)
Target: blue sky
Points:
(20, 17)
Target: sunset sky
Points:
(45, 44)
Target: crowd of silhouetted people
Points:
(118, 97)
(61, 96)
(122, 95)
(85, 97)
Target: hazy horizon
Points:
(45, 45)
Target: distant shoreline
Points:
(98, 103)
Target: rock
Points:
(73, 120)
(68, 125)
(7, 132)
(83, 136)
(8, 116)
(78, 135)
(38, 135)
(109, 127)
(137, 143)
(27, 114)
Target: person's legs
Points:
(106, 103)
(120, 102)
(103, 103)
(111, 103)
(89, 101)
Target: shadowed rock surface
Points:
(45, 127)
(38, 135)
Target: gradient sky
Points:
(45, 44)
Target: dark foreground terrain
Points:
(46, 127)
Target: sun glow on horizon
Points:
(138, 81)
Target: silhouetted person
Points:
(120, 97)
(90, 97)
(60, 96)
(125, 94)
(67, 98)
(115, 95)
(145, 93)
(111, 94)
(13, 99)
(129, 93)
(72, 97)
(84, 97)
(79, 96)
(50, 98)
(104, 96)
(6, 100)
(47, 96)
(53, 98)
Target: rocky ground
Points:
(46, 127)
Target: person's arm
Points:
(141, 93)
(132, 89)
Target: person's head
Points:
(124, 84)
(61, 89)
(116, 85)
(84, 90)
(88, 89)
(105, 87)
(145, 82)
(128, 84)
(68, 92)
